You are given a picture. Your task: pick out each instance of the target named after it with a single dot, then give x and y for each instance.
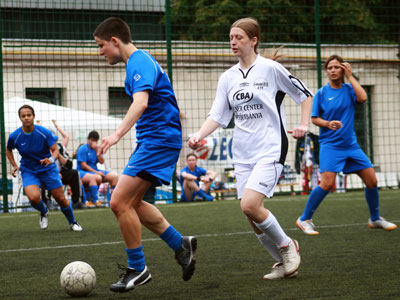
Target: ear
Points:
(115, 41)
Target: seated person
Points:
(91, 176)
(190, 177)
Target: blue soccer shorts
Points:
(50, 178)
(346, 160)
(157, 161)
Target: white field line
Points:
(157, 239)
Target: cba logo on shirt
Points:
(137, 77)
(242, 95)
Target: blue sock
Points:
(84, 198)
(372, 197)
(172, 237)
(40, 207)
(136, 258)
(317, 195)
(69, 213)
(94, 191)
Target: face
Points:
(191, 162)
(334, 70)
(26, 116)
(241, 44)
(109, 50)
(92, 144)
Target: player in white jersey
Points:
(252, 92)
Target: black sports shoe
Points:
(130, 279)
(186, 256)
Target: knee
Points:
(372, 183)
(327, 186)
(247, 208)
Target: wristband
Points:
(211, 180)
(52, 159)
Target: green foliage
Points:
(359, 21)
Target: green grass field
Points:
(347, 260)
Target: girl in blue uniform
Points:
(155, 112)
(38, 149)
(333, 111)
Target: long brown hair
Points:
(335, 57)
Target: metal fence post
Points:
(318, 41)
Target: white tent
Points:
(68, 118)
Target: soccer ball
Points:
(78, 279)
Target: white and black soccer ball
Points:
(78, 279)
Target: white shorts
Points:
(261, 177)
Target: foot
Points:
(76, 227)
(186, 256)
(208, 198)
(78, 205)
(99, 203)
(130, 279)
(90, 204)
(44, 221)
(278, 272)
(306, 226)
(290, 257)
(381, 224)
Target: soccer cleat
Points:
(186, 256)
(99, 203)
(290, 257)
(306, 226)
(381, 224)
(278, 272)
(76, 227)
(90, 204)
(44, 221)
(208, 198)
(130, 279)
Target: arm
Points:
(100, 157)
(86, 167)
(211, 175)
(54, 155)
(333, 125)
(11, 159)
(188, 176)
(63, 133)
(138, 106)
(306, 107)
(208, 127)
(361, 95)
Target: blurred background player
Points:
(190, 177)
(87, 159)
(252, 92)
(333, 111)
(155, 112)
(38, 149)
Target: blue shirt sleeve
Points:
(81, 155)
(141, 76)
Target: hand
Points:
(194, 142)
(47, 161)
(106, 143)
(14, 171)
(334, 125)
(100, 173)
(299, 132)
(347, 69)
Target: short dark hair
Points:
(28, 107)
(94, 135)
(113, 27)
(191, 154)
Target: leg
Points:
(90, 180)
(33, 193)
(112, 179)
(189, 187)
(66, 208)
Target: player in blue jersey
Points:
(38, 149)
(333, 111)
(155, 112)
(87, 159)
(190, 177)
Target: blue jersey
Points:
(87, 155)
(33, 147)
(197, 172)
(336, 104)
(159, 124)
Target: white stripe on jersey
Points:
(254, 97)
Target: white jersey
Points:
(254, 97)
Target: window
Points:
(118, 101)
(46, 95)
(363, 125)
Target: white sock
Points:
(270, 246)
(270, 226)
